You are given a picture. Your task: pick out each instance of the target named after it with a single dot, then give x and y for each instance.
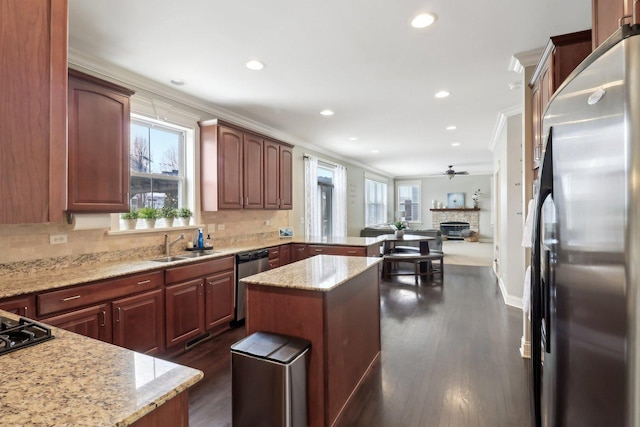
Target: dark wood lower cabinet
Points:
(22, 306)
(184, 311)
(93, 322)
(219, 299)
(174, 413)
(138, 322)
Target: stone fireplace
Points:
(465, 215)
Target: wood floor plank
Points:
(449, 358)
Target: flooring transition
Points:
(449, 358)
(459, 252)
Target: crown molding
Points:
(500, 123)
(115, 74)
(521, 60)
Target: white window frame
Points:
(145, 109)
(384, 201)
(417, 209)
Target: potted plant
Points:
(184, 216)
(168, 213)
(400, 227)
(149, 215)
(130, 219)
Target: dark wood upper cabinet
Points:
(228, 180)
(606, 16)
(99, 117)
(33, 112)
(561, 56)
(253, 167)
(243, 170)
(271, 175)
(286, 177)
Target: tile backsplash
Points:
(29, 243)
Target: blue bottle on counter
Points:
(200, 238)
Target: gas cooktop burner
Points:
(22, 333)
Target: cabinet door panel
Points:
(22, 306)
(230, 179)
(220, 298)
(184, 310)
(298, 252)
(286, 177)
(93, 322)
(252, 172)
(285, 254)
(271, 175)
(98, 147)
(33, 120)
(138, 322)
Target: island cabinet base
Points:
(174, 413)
(343, 325)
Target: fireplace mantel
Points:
(454, 209)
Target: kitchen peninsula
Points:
(74, 380)
(334, 302)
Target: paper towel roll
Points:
(91, 221)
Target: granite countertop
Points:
(319, 273)
(25, 282)
(72, 380)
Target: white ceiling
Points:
(359, 59)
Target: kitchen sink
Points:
(170, 258)
(197, 254)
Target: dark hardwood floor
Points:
(449, 358)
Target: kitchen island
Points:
(334, 302)
(72, 380)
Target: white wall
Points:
(508, 160)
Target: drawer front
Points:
(200, 269)
(80, 296)
(336, 250)
(274, 253)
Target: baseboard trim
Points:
(525, 348)
(508, 299)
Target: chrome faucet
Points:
(167, 244)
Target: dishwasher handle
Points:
(251, 256)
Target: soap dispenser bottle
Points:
(200, 238)
(208, 243)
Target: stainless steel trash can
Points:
(269, 381)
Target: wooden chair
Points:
(431, 269)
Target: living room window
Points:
(408, 206)
(375, 201)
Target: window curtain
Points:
(312, 215)
(339, 207)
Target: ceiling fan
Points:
(450, 173)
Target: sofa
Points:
(377, 230)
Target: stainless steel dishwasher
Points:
(248, 264)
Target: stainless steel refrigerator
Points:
(586, 250)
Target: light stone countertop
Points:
(319, 273)
(72, 380)
(34, 279)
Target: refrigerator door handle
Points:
(545, 189)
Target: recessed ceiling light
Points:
(375, 151)
(451, 127)
(455, 144)
(442, 94)
(254, 65)
(353, 138)
(423, 20)
(327, 113)
(177, 82)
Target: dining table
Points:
(391, 241)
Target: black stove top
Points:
(17, 334)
